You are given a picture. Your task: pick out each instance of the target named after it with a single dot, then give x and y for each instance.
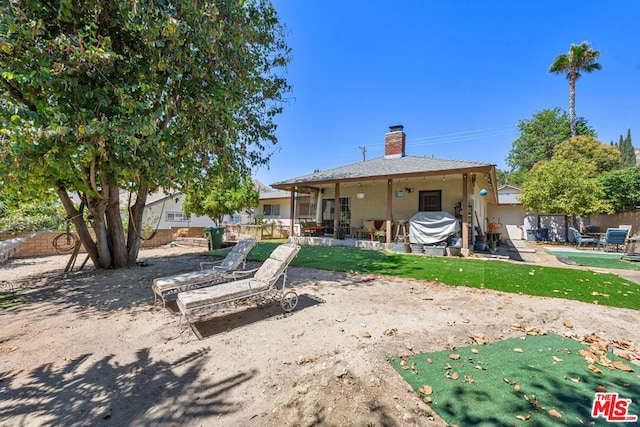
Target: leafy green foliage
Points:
(627, 151)
(603, 156)
(622, 188)
(28, 215)
(221, 195)
(563, 186)
(539, 136)
(100, 96)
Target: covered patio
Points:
(392, 189)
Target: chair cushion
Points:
(369, 225)
(223, 292)
(170, 282)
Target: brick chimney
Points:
(394, 142)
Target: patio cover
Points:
(432, 227)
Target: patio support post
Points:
(465, 211)
(336, 215)
(319, 207)
(389, 209)
(292, 211)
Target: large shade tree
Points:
(580, 59)
(108, 95)
(562, 186)
(539, 136)
(603, 156)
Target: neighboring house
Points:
(508, 210)
(395, 187)
(276, 207)
(164, 211)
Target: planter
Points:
(417, 248)
(400, 247)
(435, 250)
(479, 246)
(454, 251)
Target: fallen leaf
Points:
(621, 366)
(555, 413)
(404, 365)
(518, 350)
(426, 389)
(480, 339)
(455, 376)
(517, 387)
(427, 399)
(365, 334)
(567, 324)
(429, 361)
(557, 359)
(427, 298)
(601, 388)
(454, 356)
(575, 380)
(594, 369)
(524, 417)
(475, 351)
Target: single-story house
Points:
(393, 188)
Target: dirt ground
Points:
(90, 348)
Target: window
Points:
(431, 201)
(271, 210)
(176, 216)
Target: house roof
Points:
(382, 167)
(511, 197)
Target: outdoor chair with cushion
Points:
(583, 240)
(615, 236)
(210, 273)
(201, 304)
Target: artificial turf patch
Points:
(543, 380)
(597, 259)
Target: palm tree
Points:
(580, 59)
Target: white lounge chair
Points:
(201, 304)
(217, 272)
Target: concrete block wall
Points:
(42, 243)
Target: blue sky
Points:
(458, 75)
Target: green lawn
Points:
(587, 286)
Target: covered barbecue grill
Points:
(432, 227)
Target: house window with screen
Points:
(271, 210)
(176, 216)
(431, 201)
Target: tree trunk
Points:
(110, 249)
(81, 226)
(572, 103)
(135, 224)
(115, 229)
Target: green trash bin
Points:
(214, 236)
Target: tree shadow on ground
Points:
(90, 291)
(86, 391)
(245, 315)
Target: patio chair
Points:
(615, 236)
(201, 304)
(580, 239)
(215, 272)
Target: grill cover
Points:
(432, 227)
